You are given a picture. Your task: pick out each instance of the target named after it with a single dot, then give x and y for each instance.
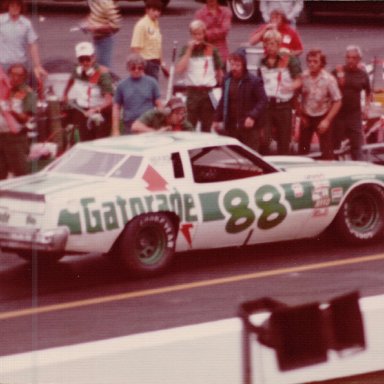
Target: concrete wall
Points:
(207, 353)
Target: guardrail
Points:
(205, 353)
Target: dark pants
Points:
(349, 125)
(13, 154)
(152, 68)
(325, 139)
(89, 130)
(199, 108)
(249, 137)
(277, 124)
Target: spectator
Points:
(217, 20)
(291, 9)
(242, 103)
(320, 102)
(93, 94)
(202, 67)
(352, 80)
(171, 118)
(20, 105)
(290, 39)
(17, 34)
(281, 73)
(135, 95)
(147, 39)
(103, 22)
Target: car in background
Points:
(141, 198)
(247, 10)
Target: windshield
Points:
(87, 162)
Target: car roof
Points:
(157, 142)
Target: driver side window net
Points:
(223, 163)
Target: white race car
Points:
(141, 198)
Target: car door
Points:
(239, 198)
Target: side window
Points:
(224, 163)
(177, 165)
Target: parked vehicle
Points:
(247, 10)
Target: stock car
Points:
(142, 198)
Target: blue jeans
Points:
(103, 47)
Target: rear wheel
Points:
(361, 217)
(147, 245)
(244, 10)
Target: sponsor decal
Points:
(336, 194)
(298, 190)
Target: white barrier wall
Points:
(207, 353)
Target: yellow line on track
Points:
(184, 287)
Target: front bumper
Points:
(48, 240)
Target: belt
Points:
(197, 88)
(276, 100)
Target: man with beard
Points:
(242, 103)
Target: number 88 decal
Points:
(267, 198)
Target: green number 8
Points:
(236, 202)
(268, 199)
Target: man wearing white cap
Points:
(91, 84)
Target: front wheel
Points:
(361, 217)
(244, 10)
(147, 245)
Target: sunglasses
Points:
(136, 68)
(83, 59)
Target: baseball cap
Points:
(84, 49)
(175, 103)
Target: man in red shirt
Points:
(290, 37)
(218, 20)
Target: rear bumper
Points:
(49, 240)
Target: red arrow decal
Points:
(154, 180)
(186, 231)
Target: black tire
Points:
(147, 245)
(41, 257)
(361, 217)
(245, 10)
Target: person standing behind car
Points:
(320, 102)
(147, 38)
(92, 86)
(103, 22)
(290, 39)
(281, 73)
(20, 105)
(17, 36)
(134, 95)
(217, 20)
(291, 9)
(242, 103)
(202, 68)
(352, 80)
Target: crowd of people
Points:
(257, 108)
